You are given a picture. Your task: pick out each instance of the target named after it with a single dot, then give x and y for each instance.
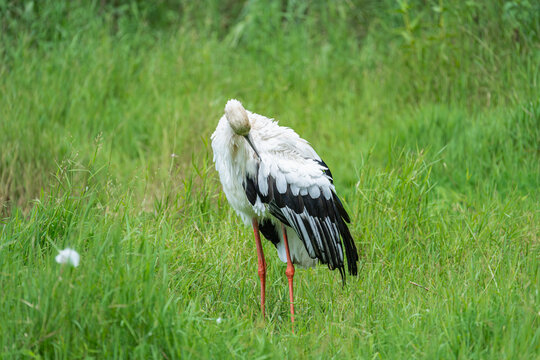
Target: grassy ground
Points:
(427, 114)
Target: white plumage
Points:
(272, 177)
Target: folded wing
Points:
(300, 193)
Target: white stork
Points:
(277, 182)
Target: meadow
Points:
(427, 113)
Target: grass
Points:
(427, 115)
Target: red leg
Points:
(289, 272)
(262, 262)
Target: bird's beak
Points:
(248, 139)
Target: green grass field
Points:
(427, 112)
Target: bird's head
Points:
(237, 117)
(239, 121)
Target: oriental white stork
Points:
(276, 182)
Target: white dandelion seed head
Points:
(68, 256)
(219, 320)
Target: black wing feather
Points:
(327, 172)
(341, 209)
(269, 231)
(293, 202)
(250, 189)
